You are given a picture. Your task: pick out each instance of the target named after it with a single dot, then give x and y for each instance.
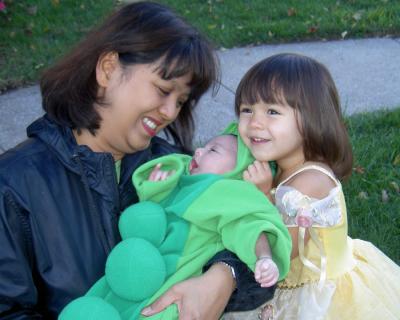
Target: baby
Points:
(190, 208)
(218, 156)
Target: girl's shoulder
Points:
(313, 179)
(312, 189)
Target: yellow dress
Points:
(334, 277)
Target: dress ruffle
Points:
(362, 282)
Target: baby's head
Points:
(218, 156)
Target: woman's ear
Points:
(106, 65)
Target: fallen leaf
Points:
(363, 195)
(291, 12)
(29, 29)
(312, 29)
(385, 196)
(344, 34)
(396, 161)
(32, 10)
(239, 27)
(55, 2)
(358, 15)
(211, 26)
(359, 169)
(395, 186)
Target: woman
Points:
(62, 190)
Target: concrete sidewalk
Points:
(367, 74)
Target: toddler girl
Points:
(289, 112)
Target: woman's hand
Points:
(203, 297)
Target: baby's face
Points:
(217, 156)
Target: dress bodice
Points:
(329, 248)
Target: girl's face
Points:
(141, 104)
(271, 132)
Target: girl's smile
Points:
(255, 140)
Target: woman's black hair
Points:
(140, 33)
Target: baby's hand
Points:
(266, 272)
(159, 175)
(260, 174)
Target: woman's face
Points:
(141, 104)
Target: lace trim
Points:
(296, 208)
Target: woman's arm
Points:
(248, 294)
(203, 297)
(216, 291)
(18, 294)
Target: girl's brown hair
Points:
(141, 33)
(307, 86)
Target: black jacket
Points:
(59, 209)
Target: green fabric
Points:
(179, 225)
(219, 218)
(244, 158)
(238, 223)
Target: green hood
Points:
(244, 157)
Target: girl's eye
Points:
(245, 110)
(272, 111)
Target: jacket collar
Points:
(97, 167)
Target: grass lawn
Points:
(238, 22)
(34, 33)
(372, 193)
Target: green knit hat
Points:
(244, 157)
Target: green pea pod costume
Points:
(177, 227)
